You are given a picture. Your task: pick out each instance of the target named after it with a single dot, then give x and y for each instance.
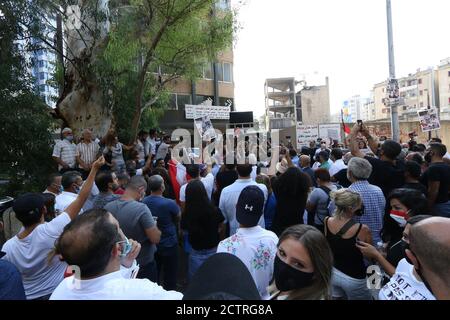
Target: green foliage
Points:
(25, 133)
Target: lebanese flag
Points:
(346, 128)
(178, 177)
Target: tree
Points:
(121, 55)
(25, 132)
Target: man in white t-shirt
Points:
(253, 245)
(230, 195)
(405, 284)
(338, 163)
(29, 250)
(193, 170)
(106, 263)
(71, 182)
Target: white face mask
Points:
(400, 220)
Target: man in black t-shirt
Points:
(412, 177)
(387, 171)
(437, 180)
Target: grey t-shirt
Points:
(319, 198)
(134, 217)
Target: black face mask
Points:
(360, 211)
(288, 278)
(405, 246)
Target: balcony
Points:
(281, 123)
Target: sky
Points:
(345, 40)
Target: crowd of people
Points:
(117, 221)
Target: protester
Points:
(341, 176)
(163, 148)
(168, 214)
(114, 150)
(123, 179)
(168, 193)
(305, 165)
(203, 222)
(141, 147)
(150, 147)
(323, 160)
(253, 245)
(429, 251)
(107, 183)
(294, 156)
(302, 266)
(230, 196)
(71, 182)
(412, 177)
(29, 250)
(291, 191)
(319, 199)
(87, 152)
(11, 286)
(193, 170)
(64, 152)
(358, 171)
(137, 223)
(54, 184)
(234, 283)
(271, 203)
(106, 261)
(338, 162)
(224, 178)
(342, 233)
(387, 173)
(437, 180)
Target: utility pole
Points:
(393, 84)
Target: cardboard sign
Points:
(305, 134)
(214, 113)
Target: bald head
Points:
(305, 161)
(430, 242)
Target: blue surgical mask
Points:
(69, 138)
(61, 189)
(126, 247)
(77, 189)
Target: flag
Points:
(178, 177)
(346, 128)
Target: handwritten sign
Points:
(305, 134)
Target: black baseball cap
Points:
(250, 205)
(222, 276)
(28, 202)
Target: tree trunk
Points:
(82, 103)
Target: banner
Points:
(306, 134)
(215, 113)
(429, 119)
(330, 132)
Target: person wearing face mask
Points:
(54, 184)
(429, 252)
(106, 259)
(71, 182)
(137, 222)
(302, 265)
(404, 282)
(342, 232)
(403, 204)
(437, 180)
(65, 151)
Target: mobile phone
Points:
(360, 123)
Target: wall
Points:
(315, 104)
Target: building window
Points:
(420, 81)
(183, 100)
(227, 72)
(421, 92)
(421, 104)
(42, 76)
(220, 71)
(449, 73)
(449, 101)
(172, 102)
(208, 71)
(223, 4)
(42, 88)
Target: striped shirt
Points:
(66, 151)
(88, 152)
(374, 206)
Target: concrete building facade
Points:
(443, 76)
(313, 104)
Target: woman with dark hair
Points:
(202, 221)
(403, 204)
(303, 265)
(291, 191)
(114, 150)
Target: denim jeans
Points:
(344, 286)
(196, 259)
(148, 271)
(442, 209)
(167, 265)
